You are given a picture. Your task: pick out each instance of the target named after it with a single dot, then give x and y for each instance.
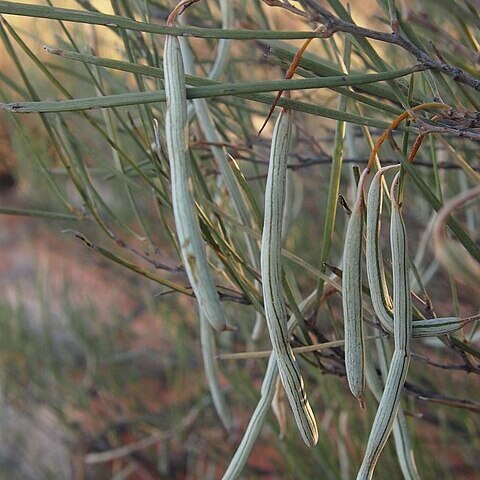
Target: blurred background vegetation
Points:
(100, 367)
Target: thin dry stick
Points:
(335, 24)
(287, 6)
(316, 347)
(418, 142)
(125, 450)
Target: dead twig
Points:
(334, 24)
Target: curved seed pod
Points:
(267, 392)
(256, 422)
(186, 220)
(403, 446)
(222, 55)
(451, 255)
(397, 374)
(207, 124)
(352, 298)
(210, 365)
(379, 294)
(271, 269)
(293, 201)
(224, 44)
(292, 207)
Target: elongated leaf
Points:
(116, 21)
(201, 92)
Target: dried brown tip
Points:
(328, 292)
(406, 114)
(270, 112)
(178, 10)
(290, 72)
(416, 146)
(333, 269)
(360, 194)
(343, 202)
(229, 328)
(470, 319)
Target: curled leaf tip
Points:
(290, 72)
(178, 10)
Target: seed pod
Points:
(379, 294)
(450, 254)
(220, 154)
(255, 423)
(352, 298)
(210, 365)
(397, 374)
(403, 445)
(222, 54)
(271, 269)
(187, 225)
(267, 391)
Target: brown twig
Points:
(462, 367)
(397, 121)
(287, 6)
(455, 132)
(423, 20)
(307, 162)
(435, 397)
(335, 24)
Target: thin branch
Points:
(443, 366)
(287, 6)
(306, 162)
(423, 20)
(434, 397)
(334, 24)
(127, 450)
(232, 296)
(456, 132)
(305, 349)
